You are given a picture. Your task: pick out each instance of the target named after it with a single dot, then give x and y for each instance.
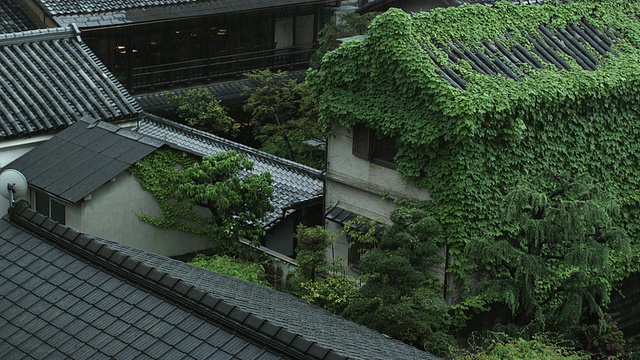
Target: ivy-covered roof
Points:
(481, 98)
(477, 59)
(504, 55)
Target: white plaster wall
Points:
(361, 187)
(339, 250)
(358, 183)
(111, 213)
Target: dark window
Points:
(370, 146)
(356, 249)
(361, 147)
(46, 205)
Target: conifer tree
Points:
(399, 297)
(552, 265)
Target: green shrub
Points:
(333, 293)
(243, 270)
(499, 346)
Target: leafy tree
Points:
(237, 201)
(227, 265)
(283, 116)
(340, 26)
(399, 297)
(200, 109)
(311, 254)
(553, 266)
(221, 183)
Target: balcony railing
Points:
(205, 70)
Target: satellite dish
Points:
(12, 184)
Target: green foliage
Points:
(311, 253)
(227, 265)
(398, 297)
(220, 183)
(553, 267)
(498, 346)
(341, 26)
(153, 174)
(283, 116)
(333, 292)
(465, 310)
(200, 109)
(470, 147)
(237, 202)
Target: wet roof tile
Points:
(292, 182)
(15, 18)
(95, 13)
(51, 80)
(81, 158)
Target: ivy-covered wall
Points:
(470, 147)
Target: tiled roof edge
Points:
(154, 280)
(234, 145)
(125, 96)
(161, 9)
(145, 139)
(38, 35)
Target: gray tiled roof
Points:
(95, 13)
(292, 182)
(66, 295)
(49, 79)
(83, 157)
(14, 18)
(283, 310)
(550, 48)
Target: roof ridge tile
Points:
(36, 35)
(87, 247)
(195, 133)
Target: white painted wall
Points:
(360, 186)
(111, 213)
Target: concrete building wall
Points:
(112, 212)
(360, 186)
(280, 239)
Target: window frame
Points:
(367, 145)
(55, 209)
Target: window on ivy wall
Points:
(373, 147)
(48, 206)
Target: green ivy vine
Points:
(470, 147)
(152, 174)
